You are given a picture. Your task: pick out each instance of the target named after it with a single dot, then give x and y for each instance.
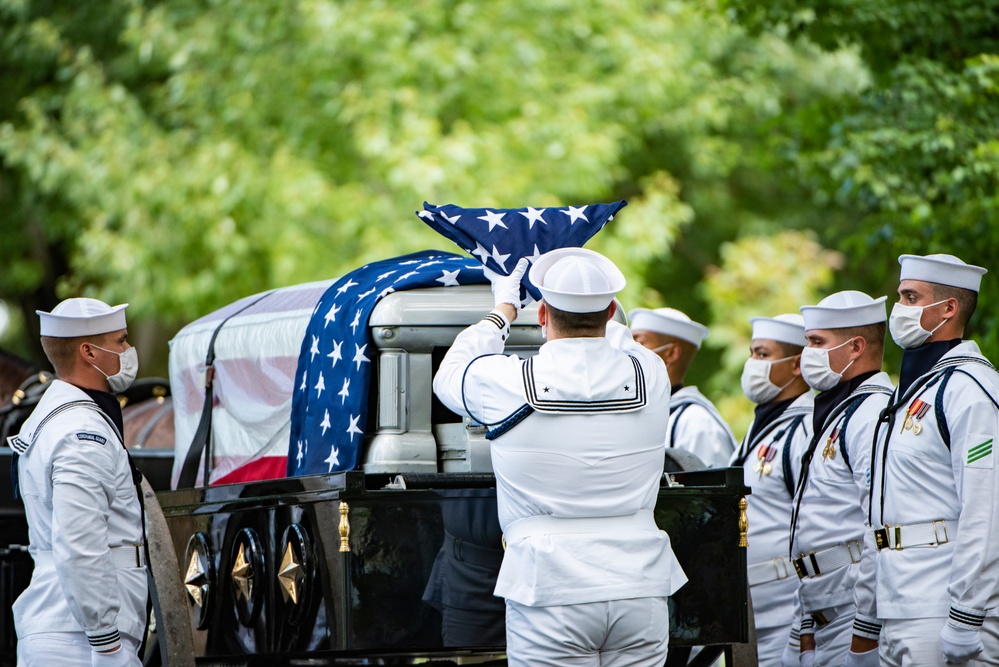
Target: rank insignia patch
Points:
(978, 453)
(92, 437)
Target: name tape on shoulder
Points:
(92, 437)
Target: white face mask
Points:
(663, 347)
(816, 370)
(756, 384)
(906, 326)
(129, 368)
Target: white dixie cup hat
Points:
(843, 310)
(942, 270)
(82, 316)
(576, 280)
(787, 328)
(669, 322)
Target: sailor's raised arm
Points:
(483, 338)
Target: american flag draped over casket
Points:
(292, 366)
(256, 356)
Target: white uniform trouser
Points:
(773, 609)
(72, 649)
(617, 632)
(832, 640)
(770, 643)
(913, 642)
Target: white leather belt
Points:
(931, 533)
(770, 570)
(550, 525)
(128, 555)
(814, 563)
(124, 557)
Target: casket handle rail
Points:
(344, 528)
(743, 523)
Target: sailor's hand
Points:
(960, 645)
(116, 658)
(506, 289)
(865, 659)
(791, 656)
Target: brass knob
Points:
(344, 528)
(743, 523)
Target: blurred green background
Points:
(180, 155)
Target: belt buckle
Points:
(815, 563)
(943, 526)
(820, 618)
(881, 537)
(850, 546)
(781, 564)
(898, 538)
(799, 567)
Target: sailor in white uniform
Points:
(935, 491)
(831, 543)
(695, 424)
(86, 603)
(578, 435)
(770, 456)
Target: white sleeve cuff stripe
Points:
(966, 618)
(105, 639)
(866, 630)
(497, 320)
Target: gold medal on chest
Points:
(829, 451)
(764, 455)
(917, 410)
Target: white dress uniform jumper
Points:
(771, 461)
(935, 504)
(696, 426)
(578, 435)
(85, 531)
(828, 544)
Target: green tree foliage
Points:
(759, 276)
(912, 164)
(181, 155)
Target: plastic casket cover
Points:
(256, 356)
(418, 577)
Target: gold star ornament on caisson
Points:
(242, 575)
(290, 576)
(196, 580)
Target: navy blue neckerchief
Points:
(827, 400)
(766, 413)
(919, 360)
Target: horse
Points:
(13, 371)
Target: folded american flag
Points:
(329, 412)
(500, 237)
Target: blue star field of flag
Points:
(500, 237)
(329, 415)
